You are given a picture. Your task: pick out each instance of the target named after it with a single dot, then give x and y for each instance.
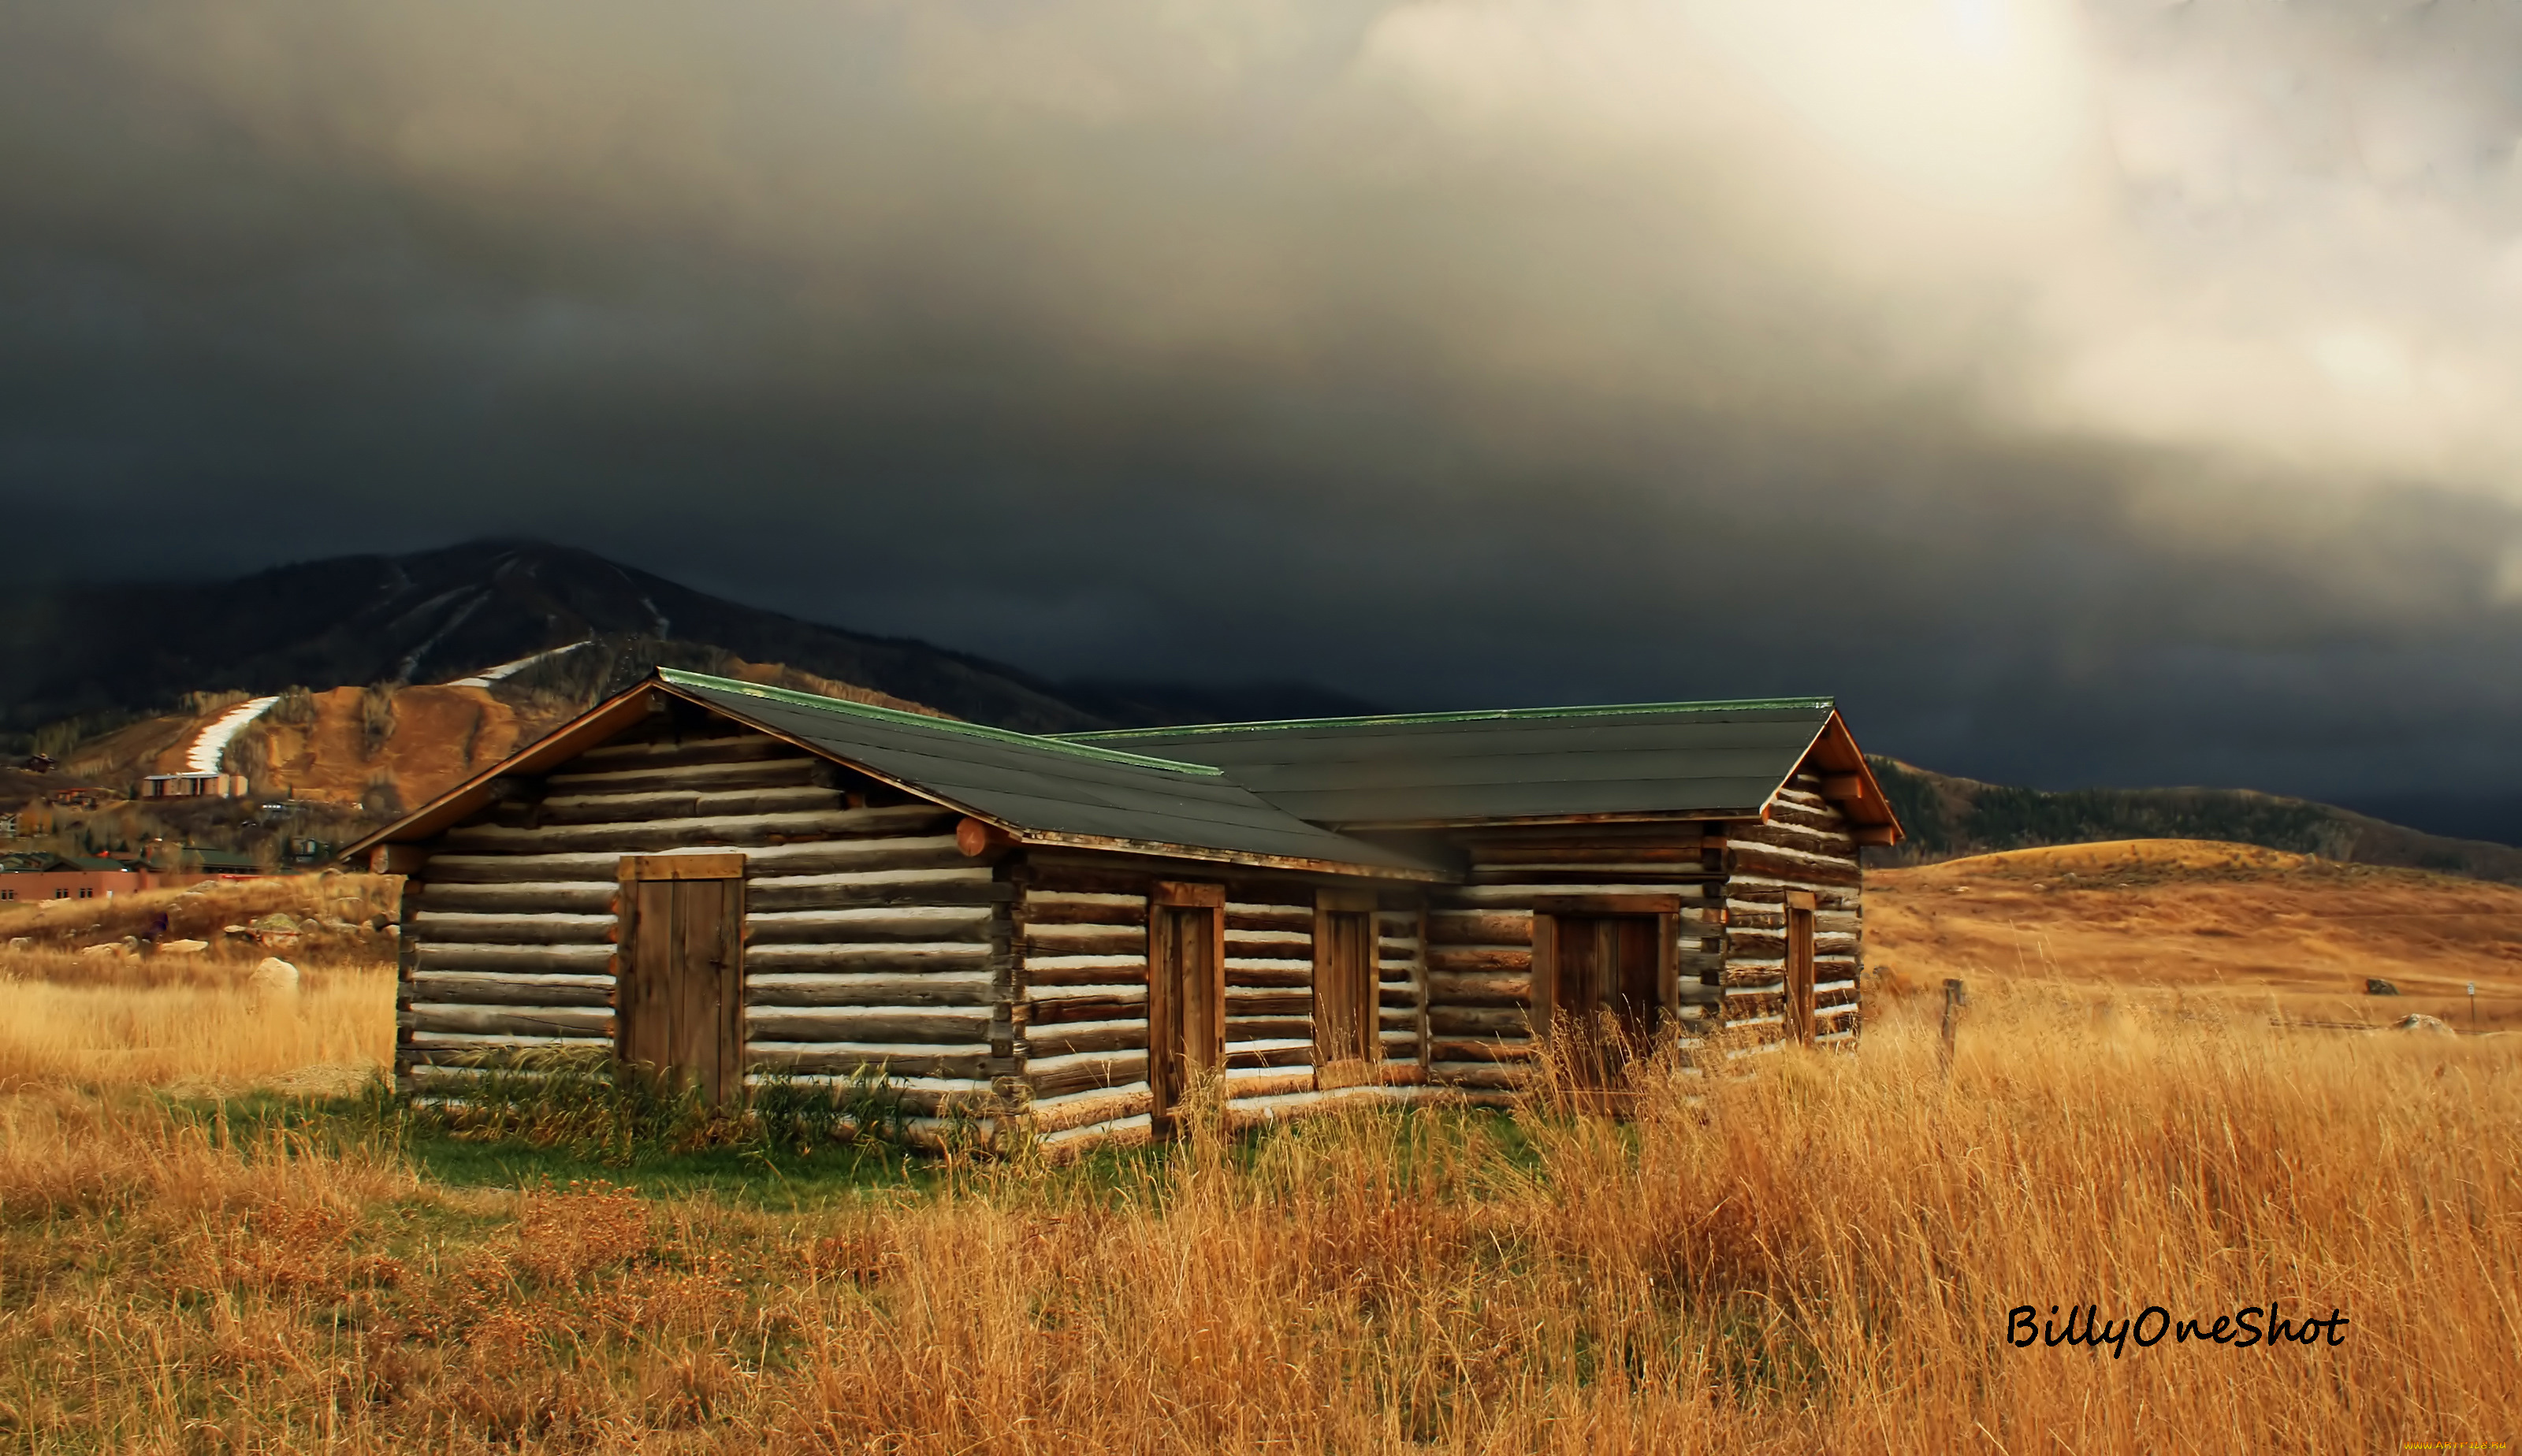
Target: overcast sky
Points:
(2108, 393)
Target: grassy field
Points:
(2289, 935)
(75, 1011)
(1823, 1254)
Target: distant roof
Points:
(46, 862)
(1626, 759)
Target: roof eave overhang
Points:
(1304, 864)
(1495, 821)
(1834, 751)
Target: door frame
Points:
(1547, 910)
(1202, 1011)
(1799, 977)
(635, 997)
(1368, 1007)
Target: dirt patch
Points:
(439, 735)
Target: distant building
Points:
(193, 785)
(45, 876)
(8, 826)
(41, 874)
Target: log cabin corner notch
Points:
(1005, 923)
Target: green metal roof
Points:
(1459, 716)
(1509, 763)
(1041, 785)
(1004, 736)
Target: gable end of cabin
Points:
(864, 936)
(1794, 912)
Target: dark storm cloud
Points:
(2113, 394)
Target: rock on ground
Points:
(276, 977)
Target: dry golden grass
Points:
(1821, 1255)
(214, 1031)
(196, 1021)
(2290, 934)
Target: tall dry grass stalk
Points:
(1819, 1256)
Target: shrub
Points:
(376, 718)
(795, 1116)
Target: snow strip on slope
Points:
(212, 743)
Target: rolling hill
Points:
(1947, 817)
(2255, 930)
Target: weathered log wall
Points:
(871, 940)
(1082, 933)
(1401, 980)
(1479, 935)
(1806, 844)
(1081, 1012)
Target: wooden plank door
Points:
(1186, 992)
(1577, 990)
(1347, 990)
(1633, 993)
(1606, 986)
(679, 1001)
(1799, 966)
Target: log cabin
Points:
(1058, 935)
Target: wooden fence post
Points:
(1952, 1015)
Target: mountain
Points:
(96, 652)
(1948, 817)
(393, 677)
(366, 652)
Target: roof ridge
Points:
(1468, 716)
(679, 677)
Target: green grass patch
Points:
(797, 1158)
(744, 1175)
